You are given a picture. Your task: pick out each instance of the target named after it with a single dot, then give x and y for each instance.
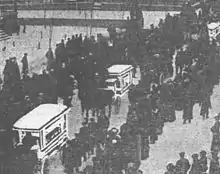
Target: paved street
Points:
(176, 137)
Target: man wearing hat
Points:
(66, 157)
(195, 165)
(14, 70)
(203, 163)
(183, 163)
(24, 62)
(84, 139)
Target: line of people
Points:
(198, 166)
(112, 151)
(200, 161)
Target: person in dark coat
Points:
(205, 106)
(170, 169)
(15, 70)
(203, 163)
(24, 64)
(93, 129)
(84, 139)
(67, 97)
(195, 169)
(214, 165)
(215, 147)
(183, 163)
(187, 110)
(6, 72)
(77, 152)
(63, 79)
(67, 158)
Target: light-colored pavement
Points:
(190, 138)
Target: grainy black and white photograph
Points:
(109, 86)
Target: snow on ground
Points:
(74, 14)
(28, 43)
(150, 17)
(189, 138)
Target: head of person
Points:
(182, 154)
(92, 120)
(13, 59)
(170, 167)
(203, 153)
(195, 157)
(114, 131)
(84, 124)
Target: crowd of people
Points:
(152, 102)
(114, 151)
(199, 165)
(200, 161)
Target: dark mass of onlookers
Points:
(152, 102)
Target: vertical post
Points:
(139, 147)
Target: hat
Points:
(182, 154)
(194, 156)
(203, 152)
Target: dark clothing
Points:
(195, 169)
(24, 65)
(188, 110)
(214, 167)
(183, 164)
(203, 164)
